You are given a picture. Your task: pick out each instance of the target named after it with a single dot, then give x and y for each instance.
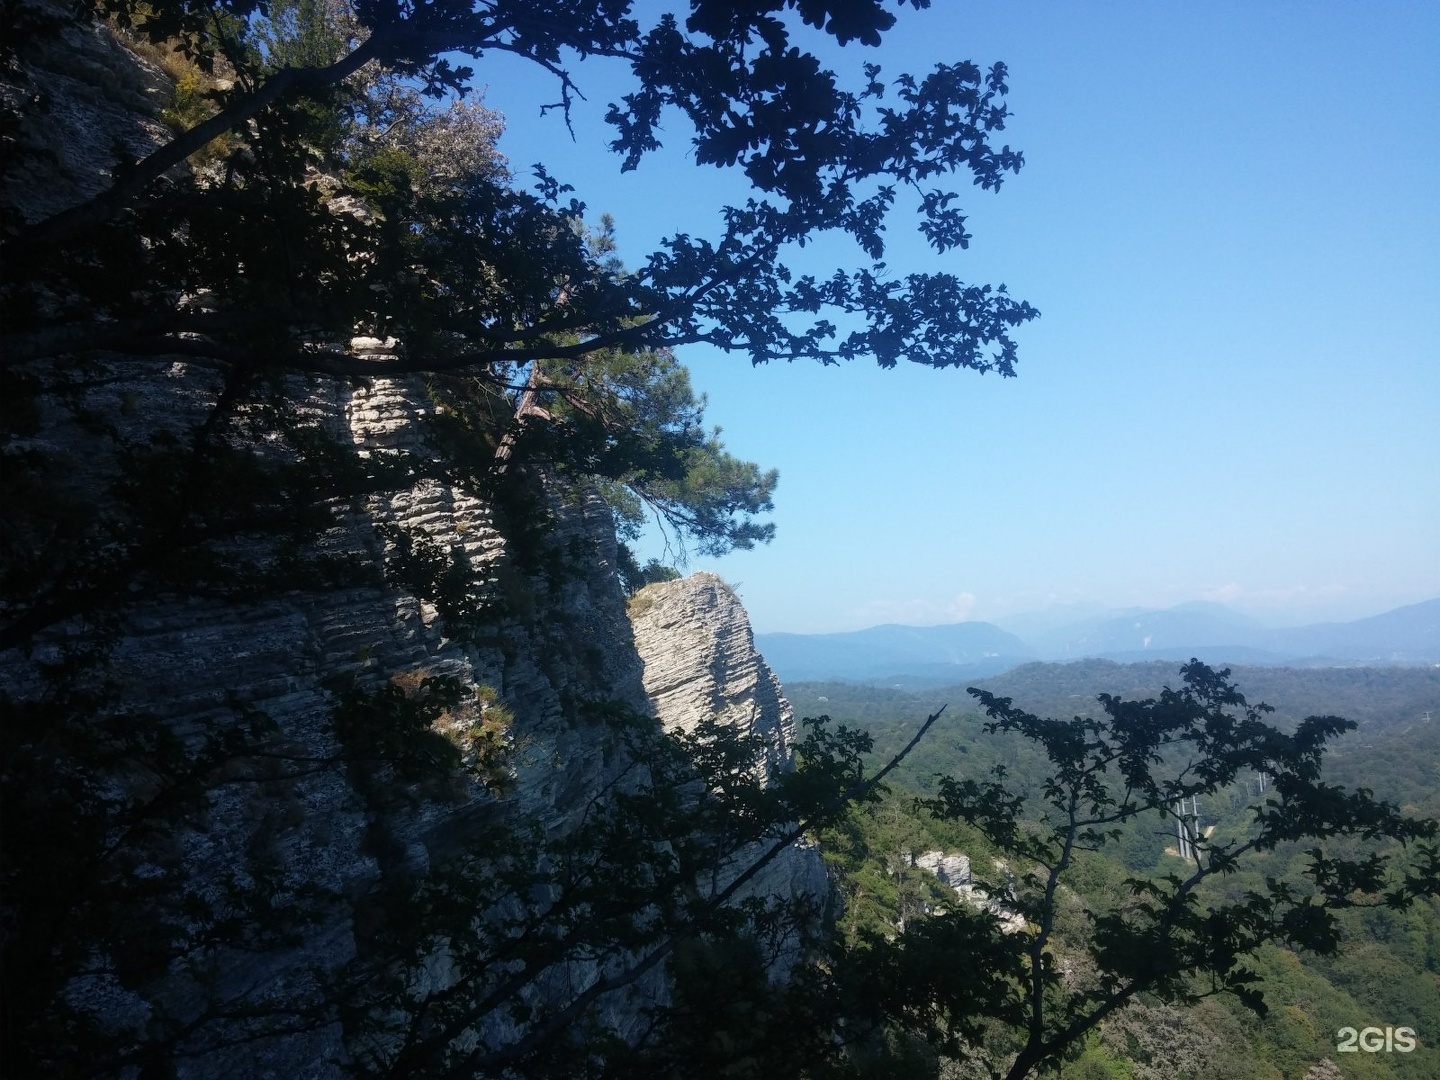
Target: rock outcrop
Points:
(953, 869)
(557, 637)
(85, 103)
(204, 666)
(698, 652)
(556, 641)
(699, 657)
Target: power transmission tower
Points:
(1187, 826)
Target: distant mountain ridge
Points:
(955, 650)
(935, 654)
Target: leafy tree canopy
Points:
(464, 271)
(329, 182)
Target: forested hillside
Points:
(1387, 972)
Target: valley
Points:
(1387, 971)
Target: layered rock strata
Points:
(201, 664)
(85, 102)
(700, 661)
(694, 640)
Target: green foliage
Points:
(1297, 864)
(634, 577)
(872, 854)
(632, 421)
(1099, 1062)
(394, 727)
(170, 347)
(471, 278)
(647, 879)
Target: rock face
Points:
(555, 639)
(86, 98)
(698, 653)
(699, 658)
(953, 869)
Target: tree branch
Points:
(108, 203)
(561, 1020)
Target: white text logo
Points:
(1372, 1040)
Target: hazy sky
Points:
(1229, 218)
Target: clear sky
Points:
(1229, 218)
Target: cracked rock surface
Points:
(699, 657)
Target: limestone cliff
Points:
(699, 658)
(83, 101)
(556, 642)
(294, 815)
(207, 666)
(953, 869)
(694, 640)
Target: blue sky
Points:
(1230, 219)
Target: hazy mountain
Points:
(1033, 625)
(1185, 627)
(918, 655)
(935, 653)
(1407, 635)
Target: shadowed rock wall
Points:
(556, 639)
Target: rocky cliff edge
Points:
(198, 664)
(699, 661)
